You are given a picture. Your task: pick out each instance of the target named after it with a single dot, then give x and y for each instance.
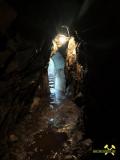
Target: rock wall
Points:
(21, 72)
(101, 85)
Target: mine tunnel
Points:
(59, 79)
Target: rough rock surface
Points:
(50, 133)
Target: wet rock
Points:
(69, 157)
(74, 157)
(36, 149)
(51, 106)
(77, 136)
(54, 156)
(87, 142)
(13, 138)
(35, 104)
(41, 150)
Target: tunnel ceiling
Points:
(37, 19)
(96, 21)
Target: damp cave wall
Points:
(23, 67)
(99, 28)
(22, 71)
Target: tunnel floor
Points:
(50, 132)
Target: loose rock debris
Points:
(50, 134)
